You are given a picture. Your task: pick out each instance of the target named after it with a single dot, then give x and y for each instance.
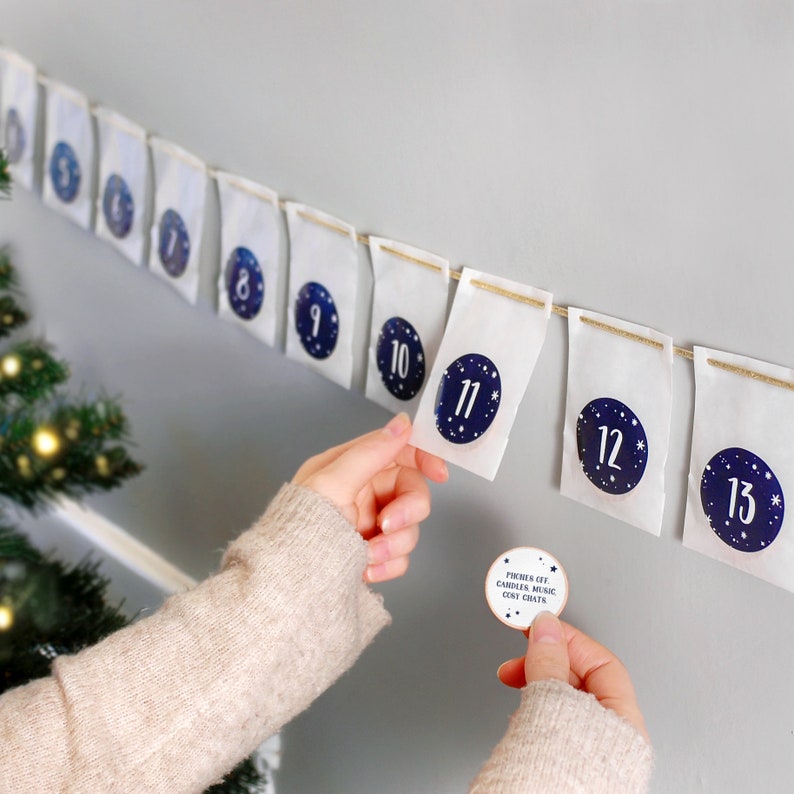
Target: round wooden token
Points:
(523, 582)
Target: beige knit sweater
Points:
(174, 701)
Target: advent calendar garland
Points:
(615, 445)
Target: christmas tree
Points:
(52, 445)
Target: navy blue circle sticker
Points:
(245, 283)
(316, 320)
(16, 138)
(742, 499)
(174, 247)
(612, 445)
(401, 358)
(118, 206)
(468, 398)
(65, 172)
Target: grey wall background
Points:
(635, 158)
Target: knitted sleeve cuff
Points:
(565, 741)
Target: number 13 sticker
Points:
(742, 499)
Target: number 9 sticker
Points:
(468, 398)
(316, 320)
(742, 499)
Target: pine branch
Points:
(74, 450)
(5, 176)
(29, 371)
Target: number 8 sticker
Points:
(742, 499)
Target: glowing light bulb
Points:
(6, 617)
(46, 442)
(11, 366)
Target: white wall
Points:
(634, 158)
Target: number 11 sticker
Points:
(468, 398)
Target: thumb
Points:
(364, 458)
(547, 650)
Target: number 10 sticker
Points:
(742, 499)
(401, 358)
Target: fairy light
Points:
(6, 617)
(11, 366)
(46, 442)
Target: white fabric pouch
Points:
(409, 310)
(742, 465)
(248, 282)
(69, 154)
(123, 171)
(494, 335)
(180, 181)
(19, 95)
(617, 418)
(323, 284)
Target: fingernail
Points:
(499, 670)
(397, 426)
(396, 519)
(546, 628)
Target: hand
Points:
(378, 483)
(558, 650)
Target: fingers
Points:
(547, 650)
(512, 673)
(341, 473)
(603, 674)
(388, 555)
(433, 467)
(402, 497)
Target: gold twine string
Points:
(179, 154)
(409, 258)
(749, 373)
(622, 333)
(334, 227)
(506, 293)
(241, 185)
(119, 122)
